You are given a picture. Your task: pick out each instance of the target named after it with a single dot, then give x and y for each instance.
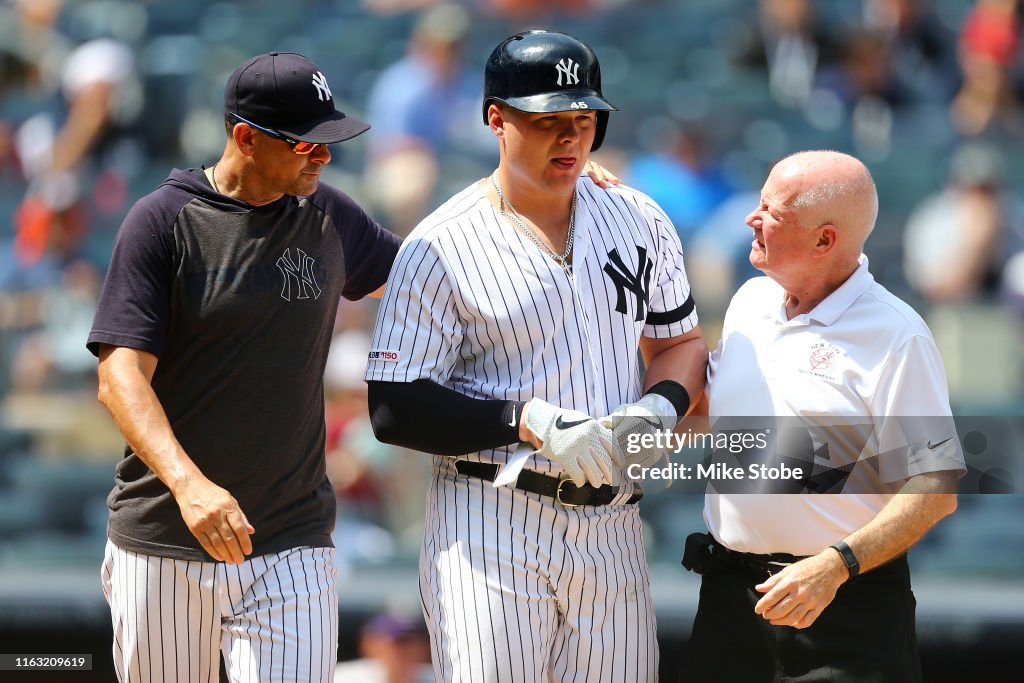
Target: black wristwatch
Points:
(852, 564)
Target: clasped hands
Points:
(593, 450)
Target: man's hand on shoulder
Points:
(600, 175)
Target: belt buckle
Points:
(558, 494)
(781, 565)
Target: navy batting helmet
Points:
(545, 71)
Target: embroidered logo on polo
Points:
(298, 272)
(821, 360)
(568, 68)
(638, 284)
(323, 91)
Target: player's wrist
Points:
(183, 479)
(670, 399)
(535, 416)
(512, 415)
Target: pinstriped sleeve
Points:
(671, 310)
(418, 330)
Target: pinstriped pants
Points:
(517, 588)
(273, 617)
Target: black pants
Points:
(866, 634)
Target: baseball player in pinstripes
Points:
(513, 316)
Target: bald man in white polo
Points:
(805, 587)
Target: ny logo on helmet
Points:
(570, 69)
(323, 91)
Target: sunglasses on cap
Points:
(299, 147)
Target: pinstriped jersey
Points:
(474, 305)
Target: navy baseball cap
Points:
(394, 626)
(286, 92)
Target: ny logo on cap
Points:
(323, 91)
(570, 69)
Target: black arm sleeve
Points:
(425, 416)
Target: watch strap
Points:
(852, 563)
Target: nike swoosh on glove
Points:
(630, 421)
(584, 448)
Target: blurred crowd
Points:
(100, 98)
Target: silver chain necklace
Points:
(213, 177)
(520, 222)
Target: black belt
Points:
(562, 490)
(704, 555)
(771, 563)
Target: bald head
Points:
(815, 212)
(834, 188)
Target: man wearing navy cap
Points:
(212, 336)
(393, 648)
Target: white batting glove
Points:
(584, 448)
(630, 421)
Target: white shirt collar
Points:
(832, 306)
(836, 303)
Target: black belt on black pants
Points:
(562, 490)
(704, 554)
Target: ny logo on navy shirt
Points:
(300, 273)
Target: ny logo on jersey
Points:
(301, 273)
(570, 69)
(323, 91)
(638, 283)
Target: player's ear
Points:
(496, 119)
(244, 137)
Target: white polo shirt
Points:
(861, 353)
